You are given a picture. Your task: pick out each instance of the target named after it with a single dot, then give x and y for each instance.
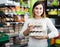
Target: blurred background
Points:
(13, 14)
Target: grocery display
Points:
(52, 6)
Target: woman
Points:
(37, 26)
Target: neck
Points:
(38, 17)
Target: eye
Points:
(36, 8)
(40, 8)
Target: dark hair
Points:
(37, 3)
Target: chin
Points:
(39, 14)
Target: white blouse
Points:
(44, 24)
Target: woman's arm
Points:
(26, 29)
(23, 32)
(26, 32)
(40, 37)
(54, 31)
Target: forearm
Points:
(26, 32)
(45, 37)
(40, 37)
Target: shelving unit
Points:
(53, 6)
(11, 24)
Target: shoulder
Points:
(47, 19)
(29, 20)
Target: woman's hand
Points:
(30, 27)
(28, 30)
(40, 37)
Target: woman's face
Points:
(38, 10)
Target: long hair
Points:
(43, 4)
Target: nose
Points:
(39, 10)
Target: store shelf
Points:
(57, 26)
(6, 5)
